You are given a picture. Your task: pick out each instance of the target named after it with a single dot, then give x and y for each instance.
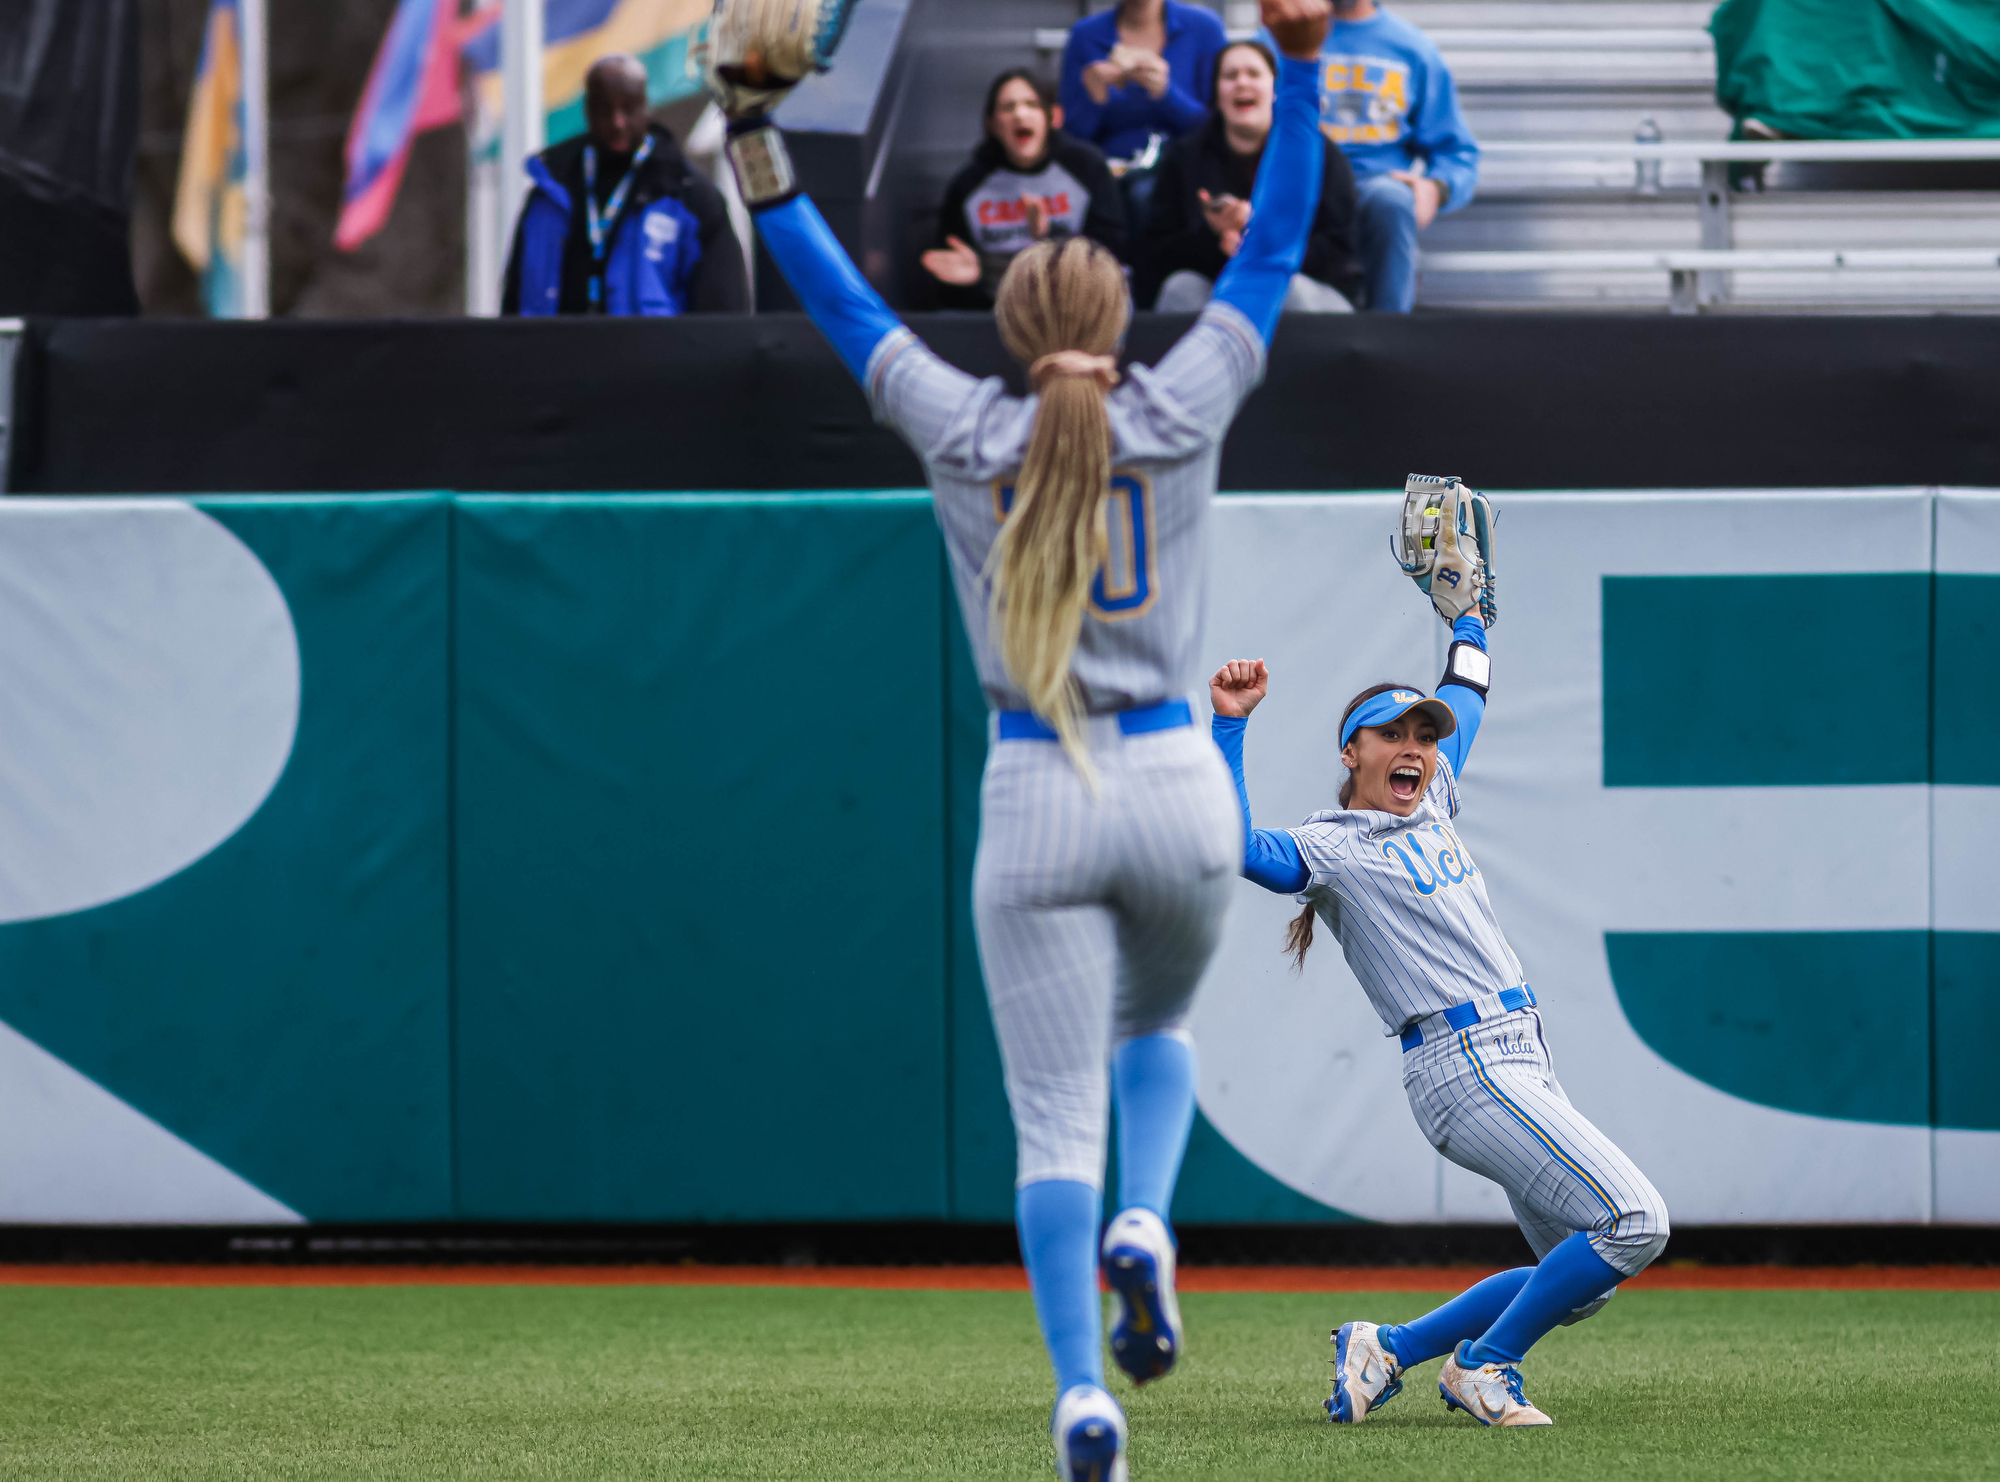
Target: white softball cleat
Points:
(1139, 1266)
(1366, 1375)
(1089, 1433)
(1489, 1393)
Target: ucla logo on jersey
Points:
(1124, 587)
(1432, 857)
(1363, 100)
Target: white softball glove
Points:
(759, 50)
(1444, 541)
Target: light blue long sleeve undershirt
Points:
(1271, 856)
(842, 304)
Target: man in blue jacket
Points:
(618, 222)
(1386, 98)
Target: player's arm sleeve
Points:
(910, 389)
(1270, 856)
(1283, 203)
(842, 303)
(1467, 704)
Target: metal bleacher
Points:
(1566, 72)
(1553, 89)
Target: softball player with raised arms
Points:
(1388, 875)
(1075, 521)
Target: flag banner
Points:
(665, 35)
(413, 86)
(211, 200)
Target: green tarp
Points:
(1861, 69)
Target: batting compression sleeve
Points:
(1283, 203)
(1467, 704)
(841, 303)
(1270, 856)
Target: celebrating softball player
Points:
(1389, 876)
(1076, 525)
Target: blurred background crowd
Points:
(386, 184)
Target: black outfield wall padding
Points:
(1350, 402)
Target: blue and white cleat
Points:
(1366, 1375)
(1489, 1393)
(1089, 1433)
(1139, 1267)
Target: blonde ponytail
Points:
(1062, 308)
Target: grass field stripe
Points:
(1479, 1069)
(1202, 1280)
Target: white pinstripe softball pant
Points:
(1096, 918)
(1488, 1099)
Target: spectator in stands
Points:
(1143, 68)
(1027, 180)
(1202, 201)
(1388, 101)
(618, 222)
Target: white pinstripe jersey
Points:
(1142, 631)
(1408, 905)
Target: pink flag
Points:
(413, 86)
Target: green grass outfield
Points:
(534, 1382)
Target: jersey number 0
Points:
(1124, 585)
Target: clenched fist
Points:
(1239, 687)
(1298, 26)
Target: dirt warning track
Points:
(1305, 1279)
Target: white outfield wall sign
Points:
(1735, 799)
(1762, 935)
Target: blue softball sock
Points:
(1569, 1276)
(1152, 1079)
(1466, 1315)
(1057, 1219)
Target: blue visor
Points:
(1391, 704)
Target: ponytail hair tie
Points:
(1102, 369)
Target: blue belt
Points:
(1168, 715)
(1465, 1015)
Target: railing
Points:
(1687, 268)
(1701, 278)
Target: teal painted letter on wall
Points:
(700, 859)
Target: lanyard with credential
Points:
(600, 225)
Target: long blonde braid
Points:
(1062, 308)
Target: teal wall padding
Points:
(700, 859)
(1832, 1024)
(1749, 681)
(280, 1004)
(1968, 682)
(621, 870)
(1967, 971)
